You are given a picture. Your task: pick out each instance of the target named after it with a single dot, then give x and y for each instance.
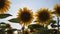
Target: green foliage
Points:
(36, 26)
(52, 21)
(2, 32)
(4, 15)
(49, 31)
(14, 20)
(14, 29)
(3, 25)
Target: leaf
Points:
(3, 25)
(14, 29)
(2, 32)
(15, 20)
(4, 15)
(35, 26)
(49, 31)
(53, 21)
(53, 25)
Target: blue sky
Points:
(33, 5)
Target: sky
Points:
(33, 5)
